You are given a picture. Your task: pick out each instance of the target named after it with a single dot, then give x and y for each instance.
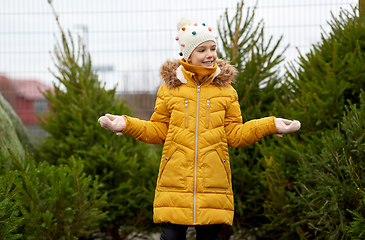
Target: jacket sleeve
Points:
(243, 134)
(155, 130)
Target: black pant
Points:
(171, 231)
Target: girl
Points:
(197, 116)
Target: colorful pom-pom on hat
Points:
(191, 34)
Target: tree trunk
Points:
(114, 232)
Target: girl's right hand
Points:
(113, 122)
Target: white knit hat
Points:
(191, 34)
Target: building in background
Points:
(27, 100)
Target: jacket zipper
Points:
(207, 115)
(196, 149)
(186, 114)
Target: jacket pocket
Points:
(216, 170)
(172, 169)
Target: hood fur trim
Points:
(223, 79)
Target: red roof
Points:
(30, 89)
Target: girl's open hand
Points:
(113, 122)
(286, 126)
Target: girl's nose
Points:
(209, 53)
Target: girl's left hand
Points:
(286, 126)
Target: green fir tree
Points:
(10, 219)
(330, 76)
(332, 181)
(55, 202)
(126, 168)
(318, 90)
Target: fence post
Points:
(361, 10)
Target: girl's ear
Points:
(189, 60)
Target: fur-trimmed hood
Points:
(171, 73)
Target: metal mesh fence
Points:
(129, 40)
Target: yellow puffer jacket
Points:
(196, 125)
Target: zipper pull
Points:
(198, 89)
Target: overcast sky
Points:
(133, 38)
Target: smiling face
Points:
(204, 55)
